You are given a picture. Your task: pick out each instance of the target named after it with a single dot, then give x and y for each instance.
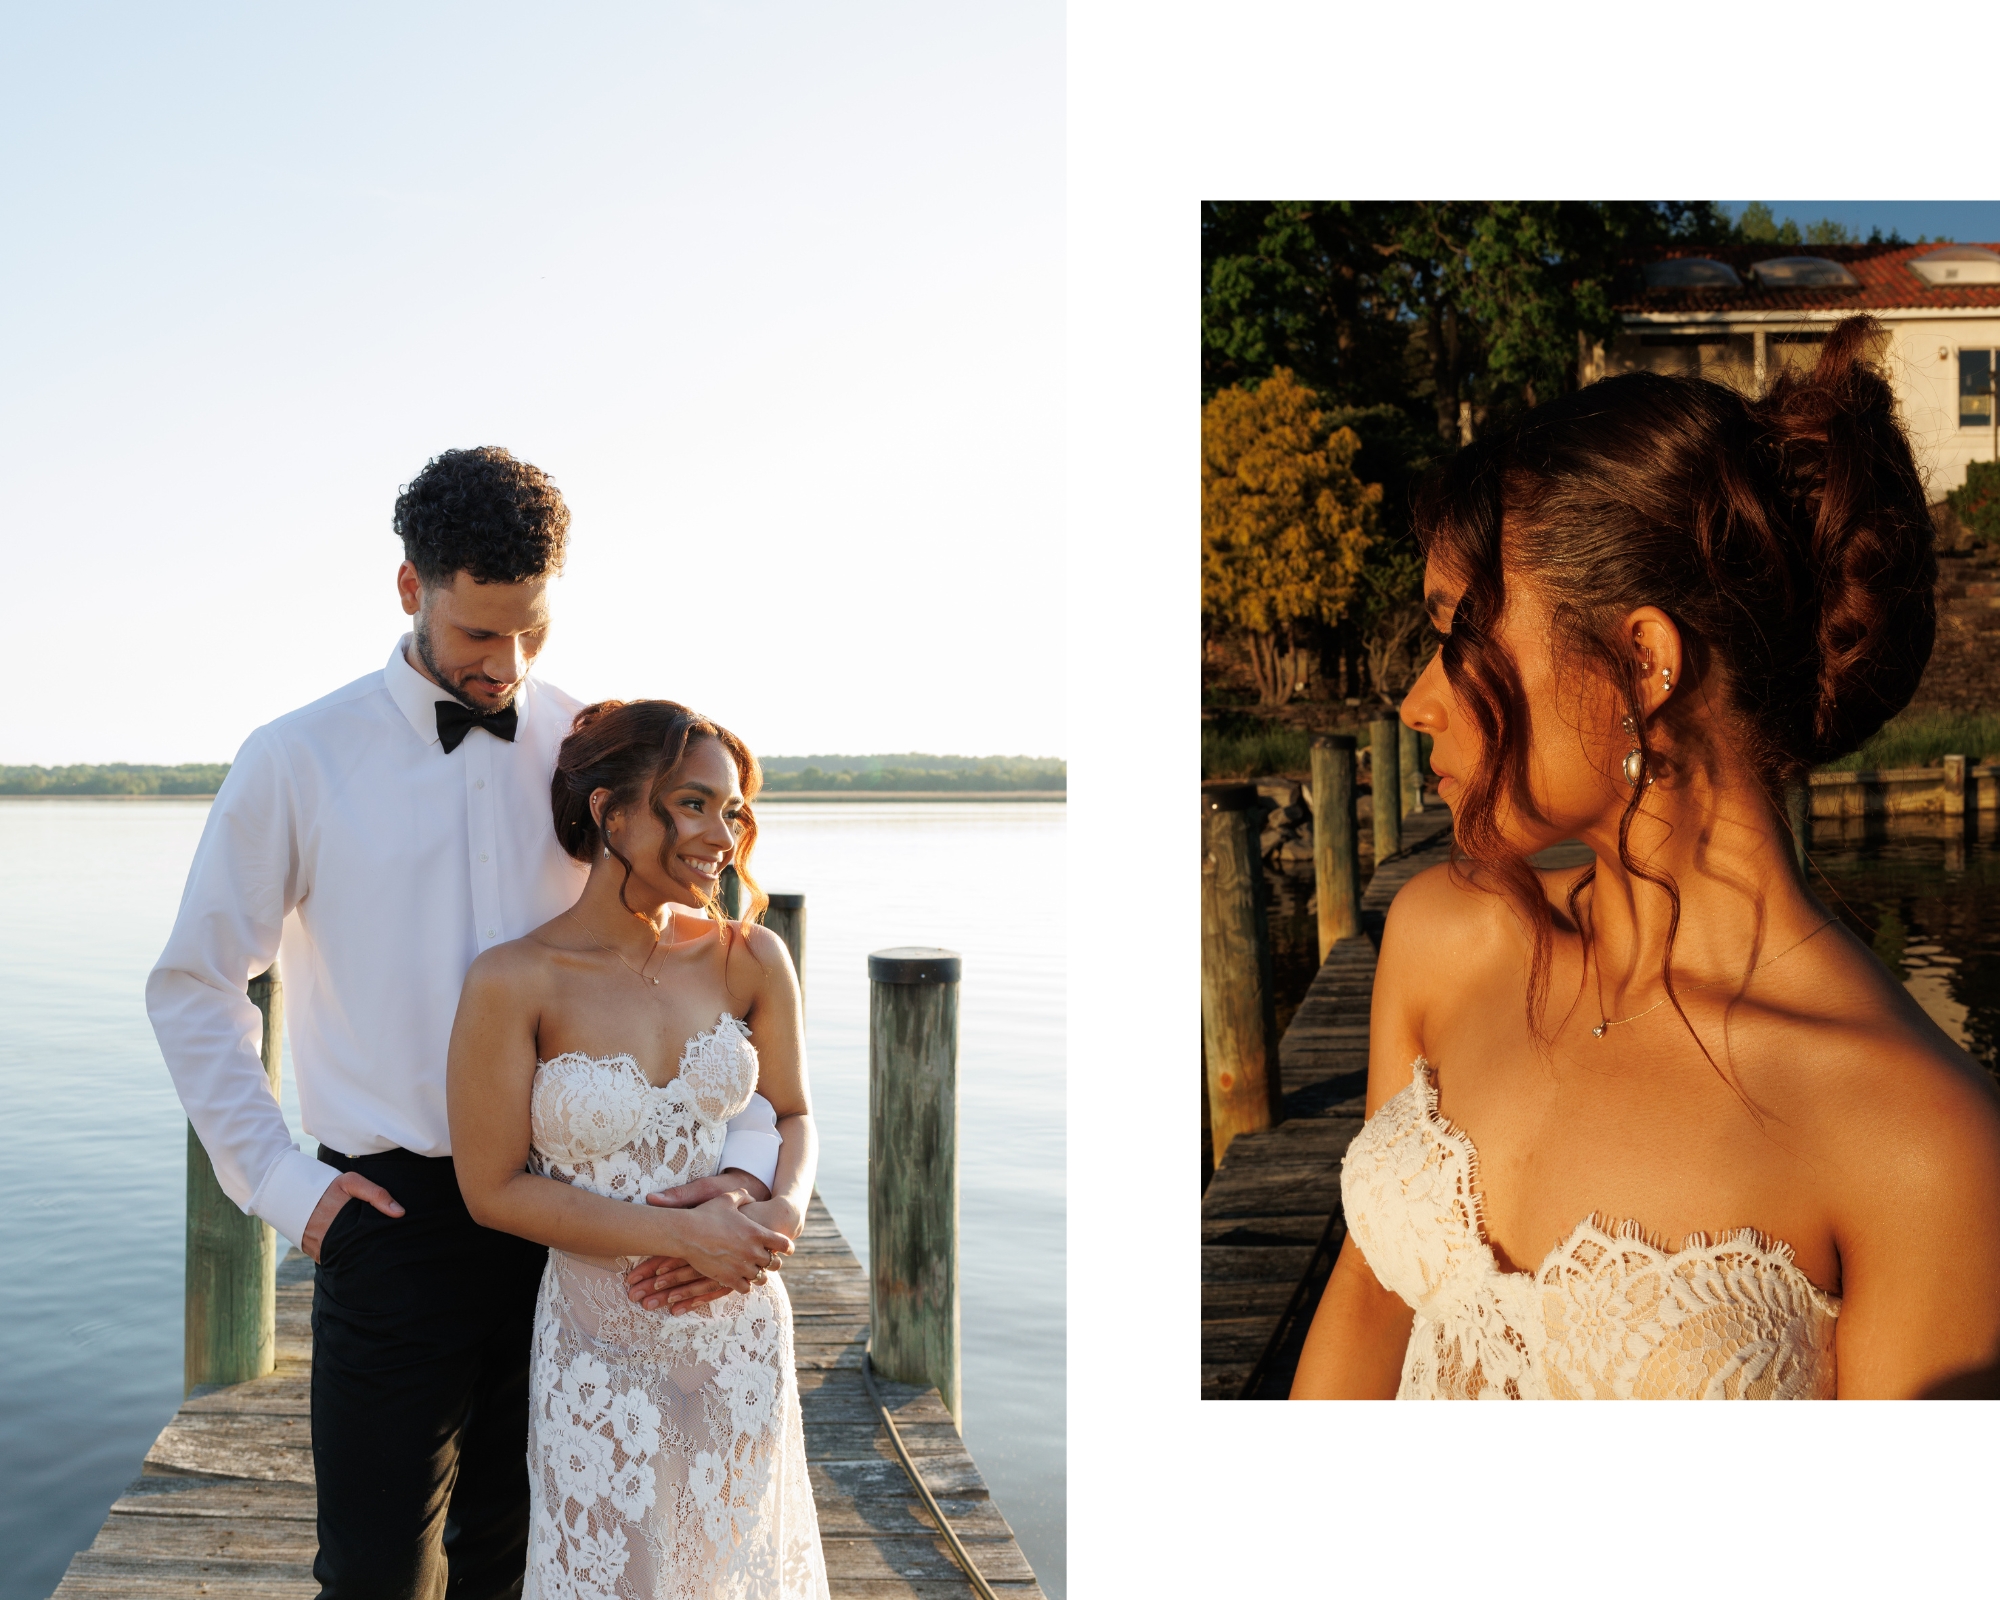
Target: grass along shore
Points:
(886, 776)
(1242, 746)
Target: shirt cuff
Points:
(290, 1191)
(752, 1144)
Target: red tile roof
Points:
(1887, 283)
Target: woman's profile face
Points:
(1568, 721)
(703, 802)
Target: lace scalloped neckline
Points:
(626, 1058)
(1775, 1252)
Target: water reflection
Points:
(1927, 899)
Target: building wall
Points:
(1922, 361)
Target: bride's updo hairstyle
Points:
(635, 748)
(1788, 538)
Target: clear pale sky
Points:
(774, 293)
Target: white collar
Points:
(417, 697)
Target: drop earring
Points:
(1635, 758)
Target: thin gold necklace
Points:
(1605, 1022)
(640, 970)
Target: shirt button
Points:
(479, 783)
(482, 855)
(489, 933)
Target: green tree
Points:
(1285, 523)
(1976, 503)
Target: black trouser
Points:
(422, 1327)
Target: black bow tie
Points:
(456, 721)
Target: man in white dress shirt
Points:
(373, 843)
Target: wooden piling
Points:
(1798, 816)
(1385, 778)
(230, 1318)
(786, 917)
(1956, 772)
(1410, 766)
(913, 1167)
(729, 894)
(1239, 1017)
(1336, 847)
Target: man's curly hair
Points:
(483, 512)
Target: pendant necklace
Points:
(640, 970)
(1605, 1022)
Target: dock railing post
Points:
(1336, 849)
(1386, 784)
(1798, 816)
(1956, 772)
(786, 917)
(729, 894)
(1409, 764)
(1239, 1019)
(230, 1320)
(913, 1167)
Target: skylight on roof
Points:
(1956, 264)
(1803, 272)
(1691, 272)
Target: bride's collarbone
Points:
(655, 1035)
(1567, 1139)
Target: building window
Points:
(1975, 388)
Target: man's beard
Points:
(421, 633)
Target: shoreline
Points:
(1043, 796)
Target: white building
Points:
(1740, 314)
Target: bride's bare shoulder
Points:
(518, 968)
(1458, 910)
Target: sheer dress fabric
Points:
(1607, 1315)
(666, 1454)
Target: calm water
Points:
(92, 1143)
(1929, 903)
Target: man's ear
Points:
(410, 589)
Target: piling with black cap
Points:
(913, 1167)
(1239, 1018)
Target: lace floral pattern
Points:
(1608, 1314)
(666, 1454)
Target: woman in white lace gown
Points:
(596, 1063)
(1660, 1126)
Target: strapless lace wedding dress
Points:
(1606, 1316)
(665, 1452)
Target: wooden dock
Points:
(224, 1504)
(1270, 1217)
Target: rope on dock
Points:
(958, 1551)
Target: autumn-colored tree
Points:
(1285, 523)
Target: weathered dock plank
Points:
(224, 1505)
(1270, 1217)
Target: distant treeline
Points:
(913, 771)
(782, 774)
(194, 777)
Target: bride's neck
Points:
(1729, 859)
(640, 908)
